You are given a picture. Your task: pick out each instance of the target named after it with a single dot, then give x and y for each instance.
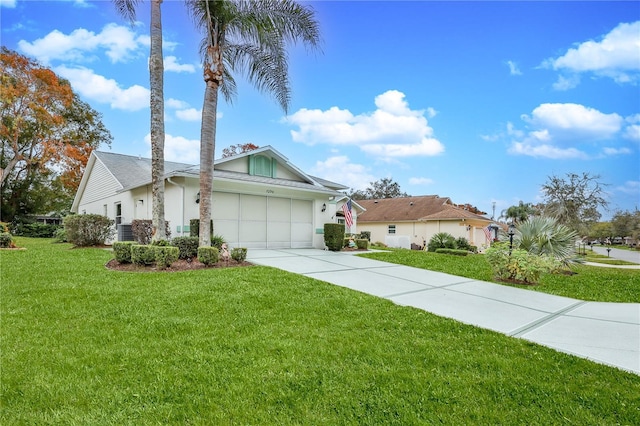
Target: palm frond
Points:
(127, 8)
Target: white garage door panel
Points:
(254, 221)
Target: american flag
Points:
(487, 233)
(346, 209)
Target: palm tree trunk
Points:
(156, 71)
(207, 150)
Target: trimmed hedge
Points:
(239, 254)
(6, 240)
(166, 255)
(143, 254)
(122, 251)
(187, 246)
(362, 243)
(334, 236)
(208, 255)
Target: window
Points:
(118, 214)
(392, 229)
(104, 210)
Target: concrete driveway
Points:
(607, 333)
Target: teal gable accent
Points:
(260, 165)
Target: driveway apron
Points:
(607, 333)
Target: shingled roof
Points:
(412, 209)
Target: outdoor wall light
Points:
(198, 198)
(324, 207)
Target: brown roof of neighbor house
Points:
(427, 207)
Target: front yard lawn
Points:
(84, 345)
(592, 283)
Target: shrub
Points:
(333, 236)
(519, 265)
(455, 252)
(60, 236)
(6, 240)
(365, 235)
(161, 243)
(187, 247)
(122, 251)
(88, 229)
(208, 255)
(142, 230)
(34, 229)
(239, 254)
(194, 228)
(463, 244)
(545, 236)
(362, 243)
(4, 227)
(217, 241)
(143, 254)
(166, 255)
(441, 240)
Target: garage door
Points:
(255, 221)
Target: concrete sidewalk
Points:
(608, 333)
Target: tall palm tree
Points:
(250, 38)
(127, 8)
(518, 213)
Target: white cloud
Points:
(574, 121)
(176, 103)
(171, 64)
(562, 131)
(616, 151)
(421, 181)
(178, 149)
(120, 44)
(393, 129)
(631, 187)
(340, 169)
(567, 83)
(616, 55)
(8, 3)
(513, 68)
(100, 89)
(190, 114)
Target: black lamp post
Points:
(511, 232)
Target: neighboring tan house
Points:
(260, 199)
(401, 222)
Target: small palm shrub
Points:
(217, 241)
(441, 240)
(545, 236)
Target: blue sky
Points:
(477, 101)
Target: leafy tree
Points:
(247, 37)
(601, 230)
(127, 8)
(626, 224)
(47, 134)
(383, 188)
(574, 201)
(238, 149)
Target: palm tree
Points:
(127, 8)
(247, 37)
(518, 213)
(545, 236)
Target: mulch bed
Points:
(179, 265)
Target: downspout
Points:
(181, 205)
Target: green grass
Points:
(83, 345)
(592, 283)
